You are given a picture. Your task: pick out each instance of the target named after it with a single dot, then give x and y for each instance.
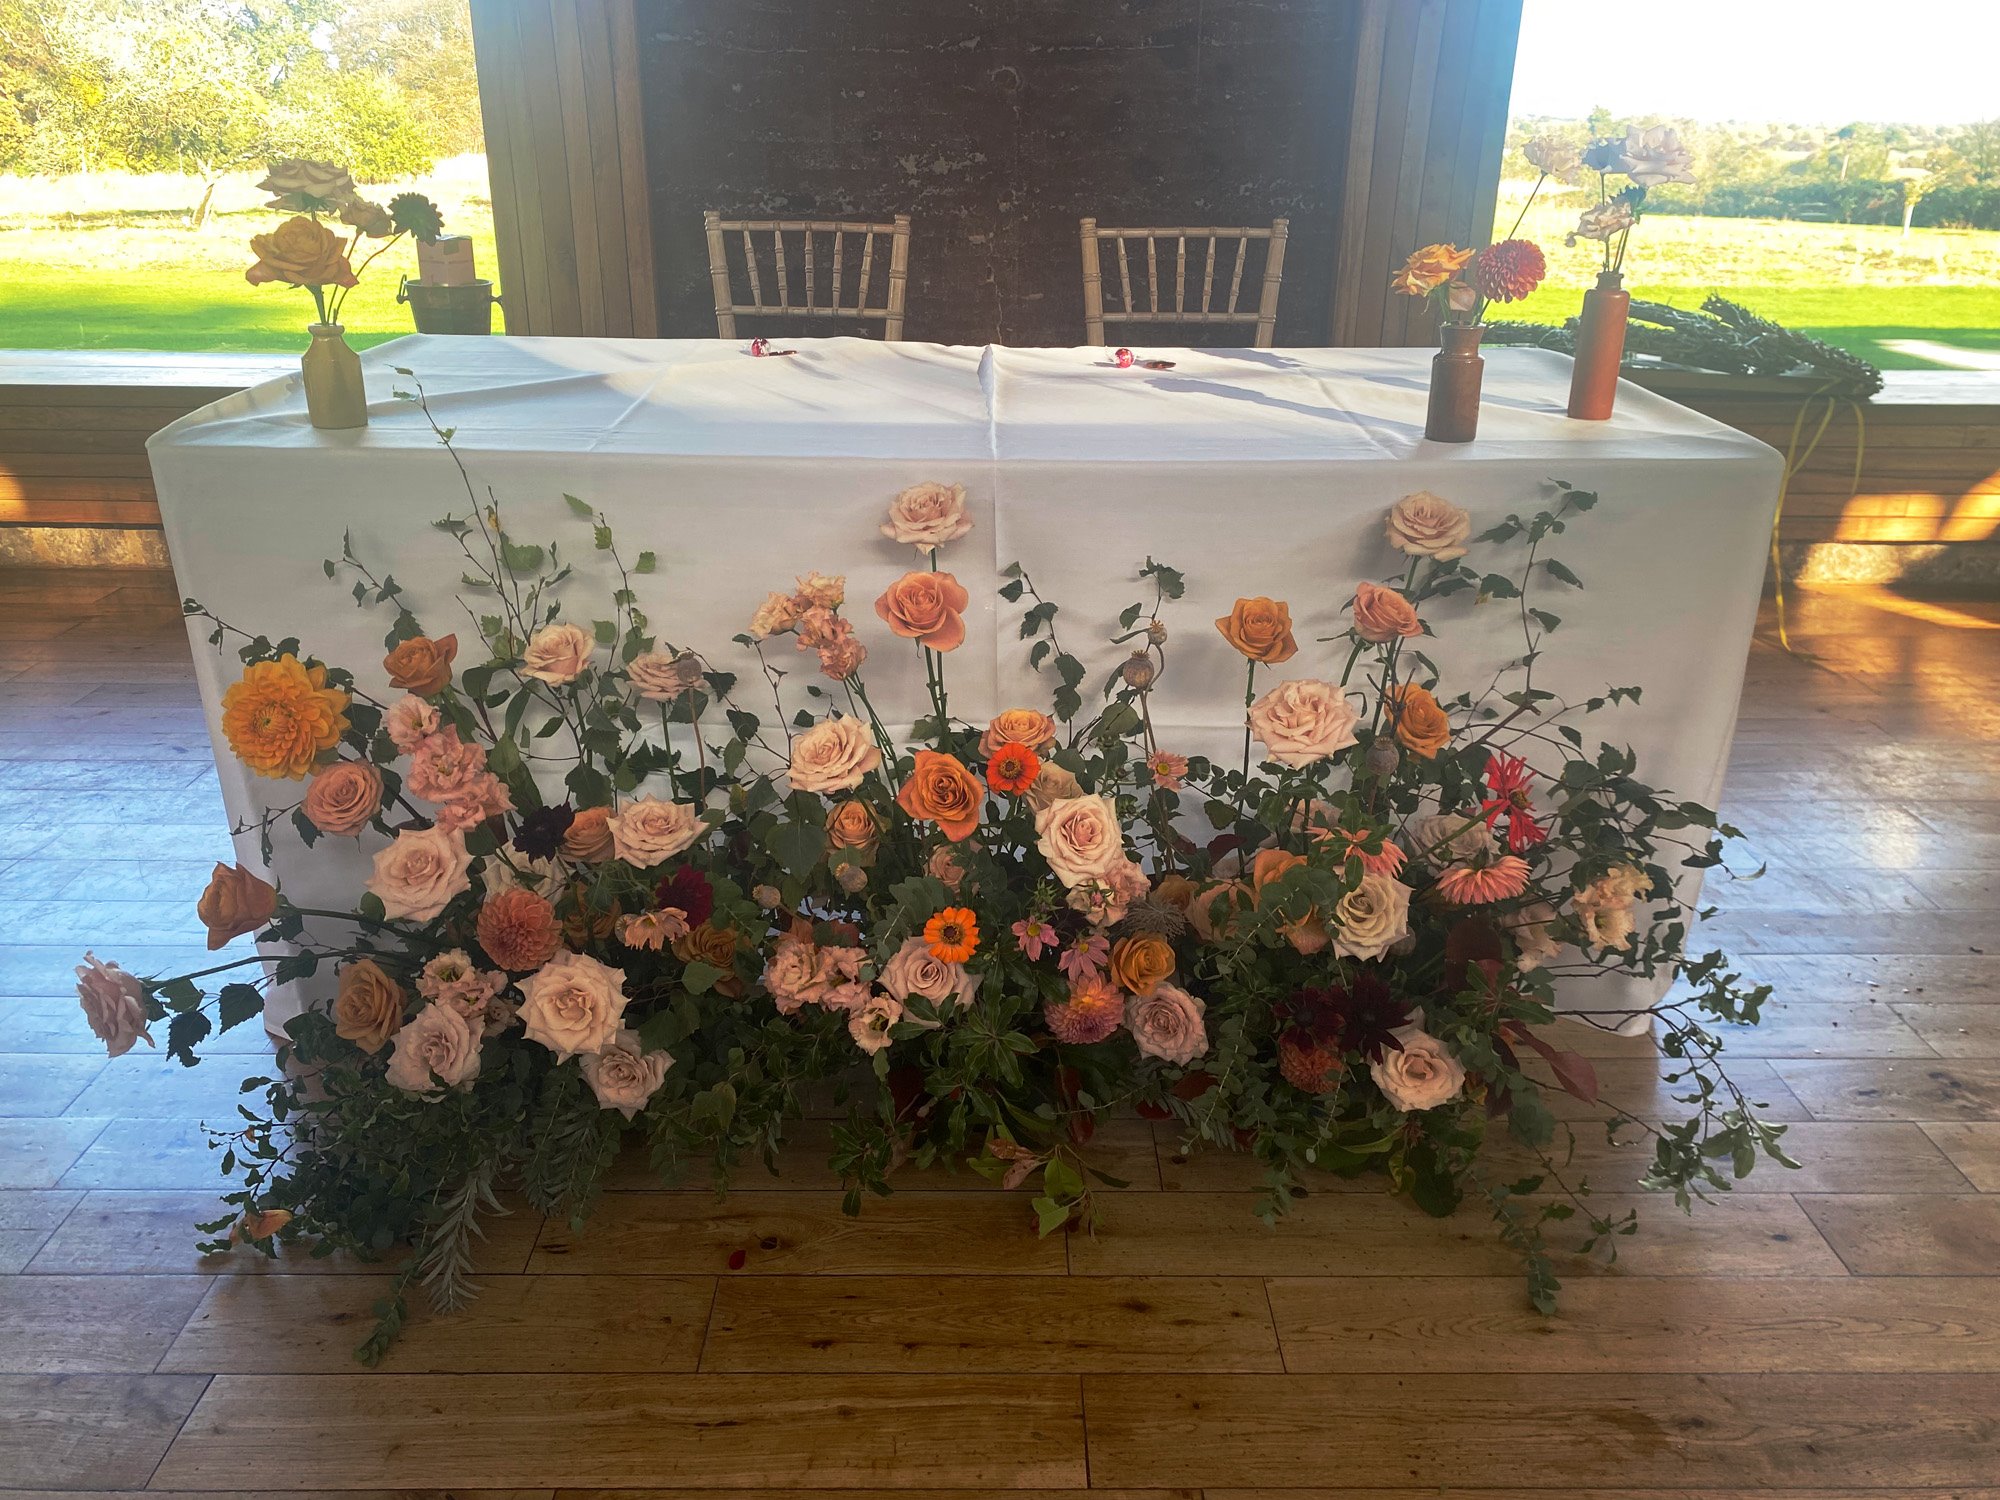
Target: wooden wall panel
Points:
(558, 89)
(1429, 117)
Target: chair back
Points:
(808, 268)
(1229, 248)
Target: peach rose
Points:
(588, 840)
(716, 946)
(1382, 614)
(1080, 838)
(419, 874)
(368, 1009)
(928, 515)
(648, 832)
(300, 252)
(558, 653)
(114, 1003)
(913, 970)
(926, 607)
(421, 665)
(1018, 726)
(852, 825)
(438, 1046)
(1140, 962)
(1304, 721)
(1427, 525)
(573, 1004)
(661, 678)
(410, 721)
(1261, 629)
(1371, 917)
(833, 756)
(1422, 1075)
(1167, 1024)
(1053, 784)
(940, 790)
(623, 1074)
(518, 929)
(1422, 726)
(235, 902)
(342, 798)
(777, 612)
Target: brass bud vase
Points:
(1456, 372)
(1600, 348)
(335, 397)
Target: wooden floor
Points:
(1833, 1331)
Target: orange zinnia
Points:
(1013, 768)
(281, 717)
(952, 935)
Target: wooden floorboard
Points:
(1826, 1334)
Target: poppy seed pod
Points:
(1139, 671)
(1383, 758)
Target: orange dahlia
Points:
(1508, 271)
(1013, 768)
(519, 930)
(281, 717)
(952, 935)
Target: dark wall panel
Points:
(996, 124)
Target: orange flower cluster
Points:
(281, 717)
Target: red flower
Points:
(1507, 778)
(688, 890)
(1013, 768)
(1508, 271)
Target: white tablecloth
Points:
(1253, 471)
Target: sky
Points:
(1806, 62)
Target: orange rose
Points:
(1176, 891)
(369, 1008)
(341, 799)
(716, 947)
(421, 665)
(589, 838)
(518, 930)
(300, 252)
(1018, 726)
(1261, 629)
(1215, 909)
(1306, 934)
(941, 790)
(926, 607)
(235, 902)
(851, 825)
(280, 717)
(1139, 963)
(1381, 614)
(1429, 268)
(1422, 727)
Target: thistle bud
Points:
(1383, 758)
(1139, 671)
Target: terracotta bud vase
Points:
(1600, 348)
(335, 397)
(1456, 372)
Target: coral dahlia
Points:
(1500, 879)
(1508, 271)
(1092, 1012)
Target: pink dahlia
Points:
(1508, 271)
(1479, 884)
(1092, 1012)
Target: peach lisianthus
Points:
(926, 516)
(558, 653)
(818, 590)
(410, 721)
(927, 608)
(280, 717)
(1383, 614)
(778, 612)
(342, 798)
(1429, 268)
(870, 1021)
(452, 979)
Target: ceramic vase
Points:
(335, 397)
(1600, 348)
(1456, 372)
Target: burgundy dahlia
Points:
(688, 890)
(1508, 271)
(541, 832)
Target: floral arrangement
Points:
(1463, 282)
(305, 252)
(612, 902)
(1646, 157)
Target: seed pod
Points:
(1156, 632)
(1139, 671)
(1383, 758)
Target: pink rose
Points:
(342, 798)
(912, 970)
(417, 876)
(410, 722)
(833, 756)
(869, 1022)
(661, 678)
(1421, 1076)
(1382, 614)
(114, 1003)
(573, 1004)
(1427, 525)
(1304, 721)
(558, 653)
(1167, 1024)
(437, 1045)
(623, 1074)
(648, 832)
(928, 515)
(1080, 838)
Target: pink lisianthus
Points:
(451, 979)
(869, 1022)
(444, 768)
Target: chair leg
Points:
(899, 277)
(1093, 286)
(718, 276)
(1274, 274)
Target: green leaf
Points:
(798, 846)
(184, 1033)
(699, 977)
(647, 563)
(583, 510)
(1558, 570)
(180, 994)
(520, 559)
(237, 1003)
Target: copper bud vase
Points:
(1600, 348)
(1456, 372)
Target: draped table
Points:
(1252, 471)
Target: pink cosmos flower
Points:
(1169, 770)
(1083, 960)
(1035, 936)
